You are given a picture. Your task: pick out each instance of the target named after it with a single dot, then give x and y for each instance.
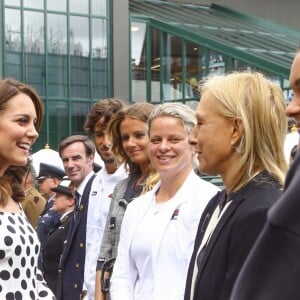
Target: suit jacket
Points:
(52, 250)
(71, 273)
(172, 246)
(276, 251)
(232, 238)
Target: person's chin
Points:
(111, 160)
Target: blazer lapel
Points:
(217, 231)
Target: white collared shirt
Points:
(99, 203)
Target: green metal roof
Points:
(261, 43)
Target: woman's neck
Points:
(170, 185)
(10, 206)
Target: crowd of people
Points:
(146, 226)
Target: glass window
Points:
(57, 75)
(12, 2)
(79, 112)
(216, 63)
(58, 5)
(172, 67)
(79, 36)
(57, 55)
(13, 65)
(155, 65)
(138, 61)
(13, 62)
(13, 30)
(240, 65)
(99, 38)
(34, 32)
(81, 7)
(79, 51)
(58, 113)
(34, 3)
(194, 69)
(57, 34)
(100, 59)
(35, 49)
(99, 8)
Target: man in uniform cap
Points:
(49, 177)
(64, 203)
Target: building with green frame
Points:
(77, 52)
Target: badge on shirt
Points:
(175, 214)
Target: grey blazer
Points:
(111, 235)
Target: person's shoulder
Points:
(198, 184)
(122, 184)
(285, 211)
(260, 196)
(34, 195)
(143, 200)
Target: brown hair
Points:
(10, 87)
(11, 182)
(105, 108)
(88, 144)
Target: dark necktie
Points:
(77, 203)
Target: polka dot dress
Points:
(19, 249)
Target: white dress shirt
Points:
(99, 203)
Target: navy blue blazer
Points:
(52, 250)
(71, 272)
(232, 238)
(272, 270)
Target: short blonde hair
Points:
(180, 111)
(260, 105)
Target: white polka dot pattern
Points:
(19, 249)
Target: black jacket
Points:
(232, 238)
(272, 270)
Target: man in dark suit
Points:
(64, 204)
(49, 177)
(77, 153)
(272, 269)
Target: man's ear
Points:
(91, 159)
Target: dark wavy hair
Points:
(105, 109)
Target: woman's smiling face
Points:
(169, 148)
(135, 140)
(17, 131)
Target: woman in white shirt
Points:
(158, 230)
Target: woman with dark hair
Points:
(128, 129)
(21, 112)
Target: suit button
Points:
(77, 265)
(75, 286)
(81, 245)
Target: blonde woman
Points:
(159, 228)
(240, 133)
